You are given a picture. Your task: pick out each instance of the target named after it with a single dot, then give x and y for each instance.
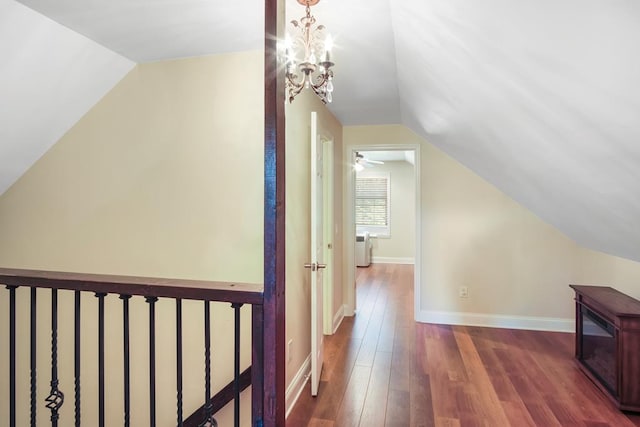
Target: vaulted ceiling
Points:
(539, 97)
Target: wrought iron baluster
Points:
(76, 363)
(257, 364)
(101, 393)
(12, 355)
(179, 360)
(236, 365)
(152, 360)
(208, 420)
(126, 356)
(32, 357)
(56, 397)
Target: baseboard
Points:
(497, 321)
(297, 385)
(391, 260)
(337, 319)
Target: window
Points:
(372, 204)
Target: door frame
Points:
(328, 224)
(318, 251)
(350, 303)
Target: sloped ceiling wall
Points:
(50, 77)
(540, 98)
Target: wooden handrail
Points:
(220, 399)
(244, 293)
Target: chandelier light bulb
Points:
(328, 42)
(328, 45)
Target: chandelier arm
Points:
(292, 80)
(322, 80)
(321, 93)
(317, 90)
(294, 88)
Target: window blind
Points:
(372, 201)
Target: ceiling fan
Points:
(362, 162)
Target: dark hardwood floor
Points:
(383, 369)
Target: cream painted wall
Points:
(298, 157)
(400, 246)
(516, 266)
(148, 182)
(601, 269)
(163, 177)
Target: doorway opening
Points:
(382, 213)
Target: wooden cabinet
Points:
(608, 342)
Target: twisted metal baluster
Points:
(12, 355)
(76, 365)
(56, 397)
(33, 358)
(208, 420)
(152, 360)
(236, 365)
(126, 356)
(179, 360)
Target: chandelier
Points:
(314, 70)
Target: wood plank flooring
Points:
(383, 369)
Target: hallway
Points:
(383, 369)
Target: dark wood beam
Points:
(274, 221)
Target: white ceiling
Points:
(153, 30)
(539, 97)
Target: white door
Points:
(317, 252)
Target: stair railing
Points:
(126, 288)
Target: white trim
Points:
(297, 385)
(417, 269)
(554, 324)
(337, 319)
(349, 228)
(328, 228)
(392, 260)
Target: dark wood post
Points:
(274, 221)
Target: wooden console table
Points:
(608, 342)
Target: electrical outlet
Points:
(289, 350)
(463, 292)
